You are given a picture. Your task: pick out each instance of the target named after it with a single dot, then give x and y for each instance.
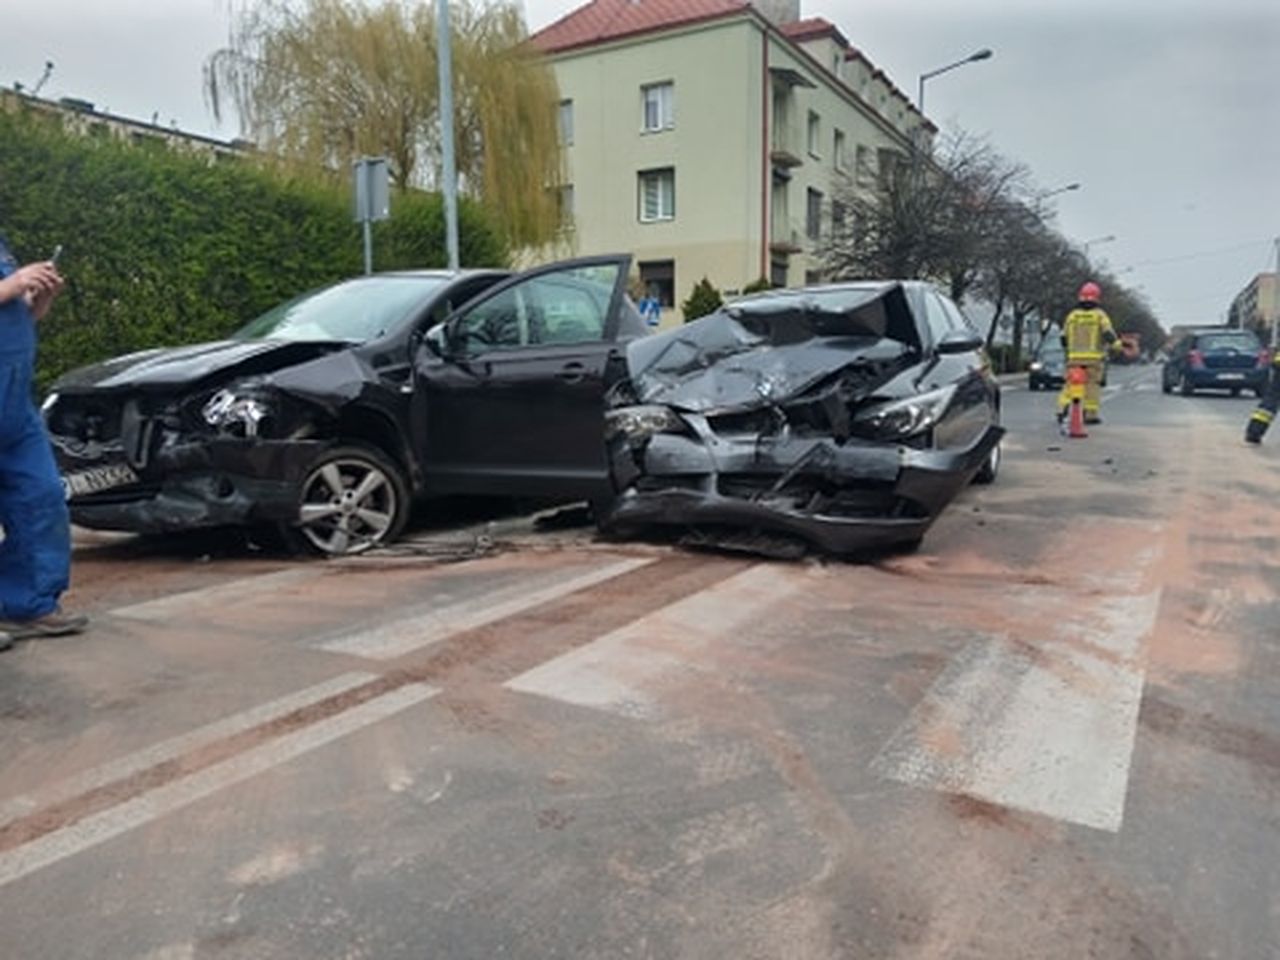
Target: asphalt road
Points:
(1053, 732)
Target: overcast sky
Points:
(1166, 111)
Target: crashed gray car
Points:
(843, 417)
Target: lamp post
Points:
(1041, 197)
(983, 54)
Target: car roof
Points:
(439, 274)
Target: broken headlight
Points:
(639, 423)
(900, 419)
(235, 413)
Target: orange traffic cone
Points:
(1077, 377)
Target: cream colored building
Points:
(708, 138)
(1256, 305)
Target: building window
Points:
(566, 122)
(838, 149)
(778, 272)
(658, 277)
(839, 213)
(657, 195)
(815, 132)
(658, 102)
(564, 200)
(862, 161)
(813, 214)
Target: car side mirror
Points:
(959, 341)
(437, 340)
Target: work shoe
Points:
(52, 624)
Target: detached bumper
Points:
(842, 499)
(220, 482)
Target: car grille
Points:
(105, 420)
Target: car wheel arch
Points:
(363, 425)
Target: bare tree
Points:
(325, 81)
(928, 218)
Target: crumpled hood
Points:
(188, 366)
(773, 348)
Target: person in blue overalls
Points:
(35, 556)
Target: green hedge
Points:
(162, 247)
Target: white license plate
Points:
(1231, 376)
(97, 479)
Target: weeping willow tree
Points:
(326, 81)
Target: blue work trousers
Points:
(35, 557)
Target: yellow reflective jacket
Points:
(1086, 334)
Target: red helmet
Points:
(1090, 293)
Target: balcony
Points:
(785, 238)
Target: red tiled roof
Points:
(811, 29)
(603, 20)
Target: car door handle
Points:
(572, 372)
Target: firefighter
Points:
(1261, 418)
(1086, 336)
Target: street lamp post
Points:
(983, 54)
(1041, 197)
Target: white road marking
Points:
(235, 591)
(619, 671)
(1048, 728)
(154, 804)
(398, 637)
(115, 770)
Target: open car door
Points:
(509, 393)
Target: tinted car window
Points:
(1241, 341)
(355, 311)
(564, 306)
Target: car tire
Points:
(352, 498)
(990, 468)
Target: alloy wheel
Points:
(349, 504)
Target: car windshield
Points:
(1241, 342)
(354, 311)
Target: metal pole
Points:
(1275, 301)
(450, 185)
(368, 247)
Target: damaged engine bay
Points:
(824, 418)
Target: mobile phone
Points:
(57, 252)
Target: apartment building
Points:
(85, 119)
(1256, 305)
(713, 138)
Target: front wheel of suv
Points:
(353, 498)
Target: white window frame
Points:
(814, 134)
(840, 147)
(564, 120)
(663, 97)
(664, 209)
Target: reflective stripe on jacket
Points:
(1084, 331)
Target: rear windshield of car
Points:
(354, 311)
(1242, 341)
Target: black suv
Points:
(1216, 358)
